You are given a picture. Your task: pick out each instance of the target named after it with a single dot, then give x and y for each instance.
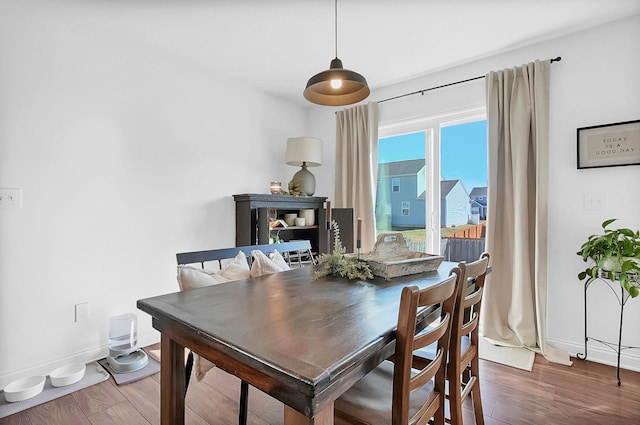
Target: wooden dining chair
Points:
(463, 372)
(398, 392)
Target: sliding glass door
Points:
(432, 183)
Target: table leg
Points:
(172, 382)
(293, 417)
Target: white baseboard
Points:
(86, 356)
(599, 353)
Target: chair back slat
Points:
(426, 374)
(478, 269)
(434, 333)
(473, 298)
(470, 326)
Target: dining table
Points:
(303, 341)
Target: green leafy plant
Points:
(294, 188)
(616, 254)
(336, 263)
(275, 238)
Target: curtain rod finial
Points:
(558, 59)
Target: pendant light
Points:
(336, 86)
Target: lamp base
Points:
(304, 181)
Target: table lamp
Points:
(304, 152)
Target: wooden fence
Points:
(462, 249)
(454, 249)
(475, 232)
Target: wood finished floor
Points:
(585, 393)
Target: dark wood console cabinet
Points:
(254, 211)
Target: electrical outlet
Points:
(83, 312)
(10, 199)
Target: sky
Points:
(463, 152)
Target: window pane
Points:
(406, 208)
(400, 198)
(463, 190)
(395, 185)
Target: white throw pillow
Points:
(264, 265)
(190, 277)
(236, 269)
(279, 260)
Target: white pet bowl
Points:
(24, 388)
(67, 375)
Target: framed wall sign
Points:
(609, 145)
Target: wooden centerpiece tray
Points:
(391, 258)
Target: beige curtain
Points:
(357, 166)
(515, 304)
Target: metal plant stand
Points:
(622, 300)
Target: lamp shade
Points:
(336, 86)
(304, 150)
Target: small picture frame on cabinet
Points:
(609, 145)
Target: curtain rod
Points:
(558, 59)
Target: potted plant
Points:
(615, 254)
(337, 263)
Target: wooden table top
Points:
(299, 338)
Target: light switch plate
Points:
(10, 199)
(83, 312)
(595, 201)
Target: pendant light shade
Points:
(336, 86)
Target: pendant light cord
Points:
(336, 26)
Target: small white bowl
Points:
(67, 375)
(290, 219)
(24, 388)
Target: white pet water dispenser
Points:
(124, 354)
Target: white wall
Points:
(595, 83)
(125, 156)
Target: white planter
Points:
(615, 265)
(309, 216)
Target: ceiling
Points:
(277, 45)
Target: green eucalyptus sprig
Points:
(336, 263)
(294, 189)
(616, 247)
